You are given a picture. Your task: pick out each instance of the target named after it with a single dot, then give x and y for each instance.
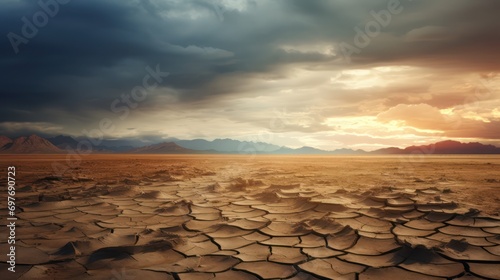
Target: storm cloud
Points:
(232, 63)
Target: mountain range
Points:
(444, 147)
(68, 142)
(27, 145)
(227, 145)
(163, 148)
(62, 144)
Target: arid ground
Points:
(255, 217)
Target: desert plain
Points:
(255, 217)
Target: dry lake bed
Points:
(253, 217)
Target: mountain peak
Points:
(35, 137)
(36, 144)
(444, 147)
(64, 142)
(32, 144)
(162, 148)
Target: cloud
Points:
(248, 56)
(428, 33)
(426, 117)
(26, 128)
(421, 116)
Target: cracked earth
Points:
(241, 217)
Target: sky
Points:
(324, 73)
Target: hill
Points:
(163, 148)
(64, 142)
(443, 147)
(228, 146)
(38, 145)
(30, 145)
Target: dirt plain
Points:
(255, 217)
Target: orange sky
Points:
(328, 74)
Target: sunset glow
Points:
(235, 68)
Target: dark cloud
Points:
(92, 51)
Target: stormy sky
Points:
(323, 73)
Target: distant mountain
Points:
(245, 147)
(345, 151)
(113, 149)
(388, 151)
(125, 144)
(163, 148)
(303, 150)
(106, 146)
(30, 145)
(64, 142)
(228, 146)
(313, 151)
(443, 147)
(35, 144)
(4, 141)
(455, 147)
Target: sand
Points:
(256, 217)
